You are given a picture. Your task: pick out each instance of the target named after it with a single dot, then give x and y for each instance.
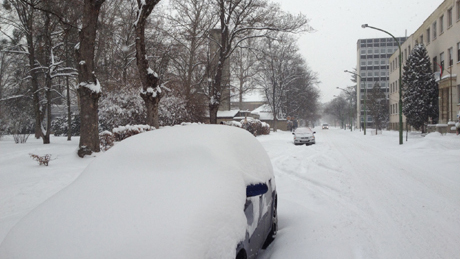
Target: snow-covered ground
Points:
(348, 196)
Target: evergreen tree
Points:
(378, 107)
(420, 97)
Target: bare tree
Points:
(378, 107)
(189, 23)
(240, 20)
(279, 69)
(338, 109)
(244, 69)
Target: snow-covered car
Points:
(325, 126)
(194, 192)
(304, 135)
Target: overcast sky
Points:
(331, 49)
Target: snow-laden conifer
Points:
(420, 97)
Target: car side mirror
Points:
(314, 132)
(293, 133)
(256, 189)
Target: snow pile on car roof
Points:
(176, 192)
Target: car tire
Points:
(241, 254)
(272, 235)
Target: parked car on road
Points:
(194, 192)
(325, 126)
(304, 135)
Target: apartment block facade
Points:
(440, 33)
(373, 67)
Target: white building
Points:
(440, 33)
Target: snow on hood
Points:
(177, 192)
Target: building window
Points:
(428, 35)
(421, 39)
(435, 64)
(451, 57)
(435, 33)
(441, 24)
(458, 52)
(458, 10)
(409, 50)
(441, 59)
(449, 17)
(458, 91)
(369, 51)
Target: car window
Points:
(302, 130)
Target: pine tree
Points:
(378, 107)
(420, 97)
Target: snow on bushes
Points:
(106, 140)
(255, 126)
(127, 131)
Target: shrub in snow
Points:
(127, 131)
(106, 140)
(59, 126)
(172, 110)
(233, 123)
(265, 128)
(126, 107)
(42, 160)
(123, 107)
(256, 127)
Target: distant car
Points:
(325, 126)
(197, 191)
(304, 135)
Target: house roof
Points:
(265, 113)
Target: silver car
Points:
(304, 135)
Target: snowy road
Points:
(356, 196)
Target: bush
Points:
(123, 132)
(42, 160)
(59, 126)
(256, 127)
(106, 140)
(233, 123)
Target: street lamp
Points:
(351, 113)
(400, 73)
(365, 97)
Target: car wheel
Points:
(241, 254)
(272, 235)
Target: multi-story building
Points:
(372, 68)
(440, 33)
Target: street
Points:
(356, 196)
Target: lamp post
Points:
(351, 113)
(365, 97)
(400, 73)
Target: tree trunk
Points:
(152, 92)
(88, 89)
(33, 75)
(48, 82)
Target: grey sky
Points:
(332, 48)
